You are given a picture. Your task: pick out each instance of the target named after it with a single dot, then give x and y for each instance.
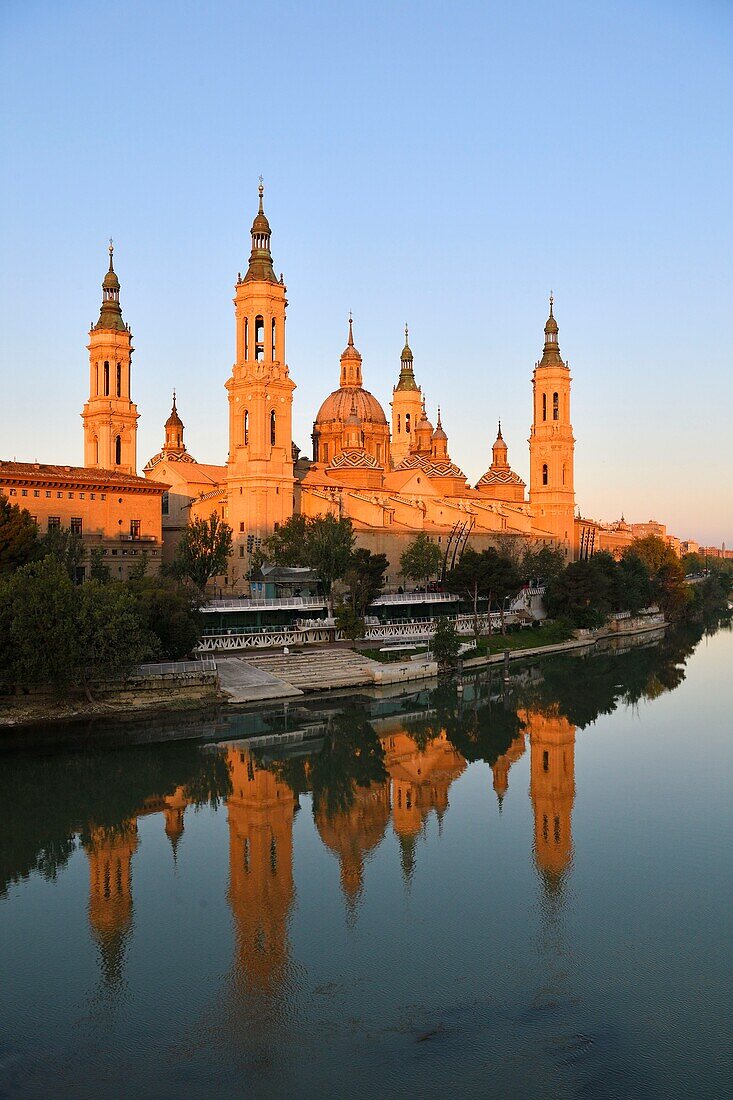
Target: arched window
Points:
(555, 406)
(564, 468)
(96, 451)
(118, 450)
(106, 378)
(273, 356)
(96, 379)
(399, 424)
(544, 406)
(246, 339)
(407, 423)
(325, 452)
(246, 427)
(544, 474)
(259, 339)
(273, 421)
(119, 380)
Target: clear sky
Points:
(441, 164)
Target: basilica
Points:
(392, 476)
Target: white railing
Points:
(254, 603)
(176, 668)
(414, 597)
(414, 630)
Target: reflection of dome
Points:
(337, 406)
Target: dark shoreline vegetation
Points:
(480, 721)
(68, 639)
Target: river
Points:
(494, 889)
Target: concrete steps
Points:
(317, 669)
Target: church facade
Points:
(392, 476)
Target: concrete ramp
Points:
(244, 682)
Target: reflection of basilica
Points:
(551, 787)
(260, 810)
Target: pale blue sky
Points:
(441, 164)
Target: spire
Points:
(110, 314)
(551, 352)
(260, 259)
(350, 360)
(407, 374)
(499, 452)
(174, 431)
(500, 436)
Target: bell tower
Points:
(406, 407)
(551, 444)
(109, 416)
(260, 465)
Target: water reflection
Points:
(368, 768)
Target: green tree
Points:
(634, 584)
(169, 612)
(98, 568)
(287, 545)
(445, 644)
(364, 578)
(541, 565)
(420, 560)
(19, 542)
(329, 543)
(204, 550)
(110, 636)
(667, 573)
(39, 601)
(61, 544)
(503, 579)
(693, 564)
(578, 594)
(470, 578)
(349, 621)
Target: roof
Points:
(337, 406)
(85, 475)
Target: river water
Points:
(516, 889)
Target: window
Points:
(544, 474)
(135, 528)
(36, 493)
(272, 428)
(407, 423)
(564, 467)
(246, 339)
(54, 522)
(119, 380)
(104, 496)
(544, 406)
(76, 525)
(118, 450)
(379, 452)
(399, 424)
(48, 493)
(325, 452)
(24, 492)
(246, 427)
(545, 761)
(106, 378)
(165, 503)
(555, 406)
(93, 496)
(13, 493)
(259, 339)
(71, 496)
(273, 355)
(241, 525)
(241, 550)
(81, 496)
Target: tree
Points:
(365, 578)
(693, 564)
(18, 537)
(328, 543)
(110, 637)
(502, 579)
(204, 550)
(287, 545)
(98, 568)
(541, 565)
(420, 560)
(445, 644)
(634, 584)
(667, 573)
(41, 629)
(470, 578)
(169, 613)
(578, 594)
(349, 621)
(65, 547)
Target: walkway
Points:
(315, 669)
(245, 683)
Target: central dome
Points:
(338, 404)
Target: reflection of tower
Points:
(175, 806)
(260, 814)
(420, 782)
(110, 853)
(351, 835)
(552, 789)
(503, 763)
